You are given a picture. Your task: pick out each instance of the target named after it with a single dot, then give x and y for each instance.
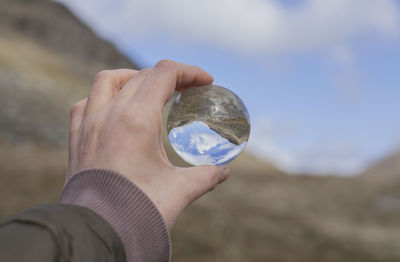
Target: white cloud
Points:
(205, 159)
(194, 159)
(205, 148)
(269, 139)
(176, 131)
(178, 147)
(249, 26)
(204, 142)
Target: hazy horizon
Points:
(319, 78)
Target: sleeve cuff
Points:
(130, 212)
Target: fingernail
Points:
(224, 174)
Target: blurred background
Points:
(320, 177)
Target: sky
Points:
(319, 77)
(197, 144)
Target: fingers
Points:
(165, 77)
(202, 179)
(77, 115)
(106, 84)
(131, 87)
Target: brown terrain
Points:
(388, 169)
(48, 59)
(205, 104)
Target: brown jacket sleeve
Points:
(127, 208)
(56, 232)
(103, 217)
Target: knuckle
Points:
(193, 189)
(74, 110)
(208, 177)
(198, 68)
(212, 180)
(102, 75)
(145, 71)
(164, 64)
(127, 70)
(77, 107)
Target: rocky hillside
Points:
(386, 169)
(47, 61)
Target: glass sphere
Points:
(207, 125)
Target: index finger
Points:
(106, 84)
(168, 75)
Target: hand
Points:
(119, 128)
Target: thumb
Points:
(203, 179)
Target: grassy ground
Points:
(29, 176)
(255, 216)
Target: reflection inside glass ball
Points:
(208, 125)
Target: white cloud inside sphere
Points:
(204, 142)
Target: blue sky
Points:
(320, 78)
(197, 144)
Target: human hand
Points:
(119, 128)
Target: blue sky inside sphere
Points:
(197, 144)
(320, 78)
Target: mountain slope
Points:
(47, 61)
(386, 169)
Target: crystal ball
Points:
(207, 125)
